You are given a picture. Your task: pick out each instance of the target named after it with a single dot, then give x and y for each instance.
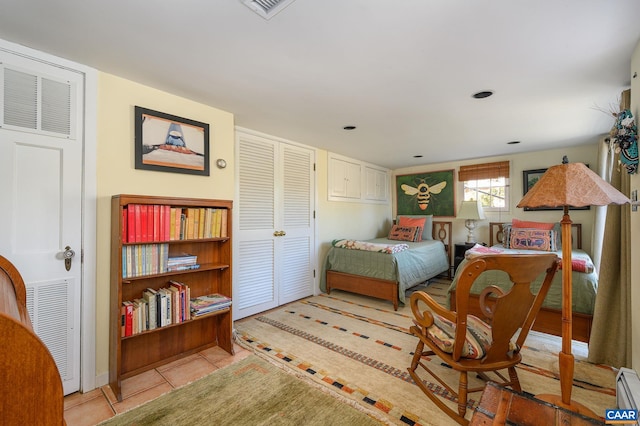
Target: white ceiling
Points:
(402, 71)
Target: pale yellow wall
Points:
(338, 219)
(532, 160)
(116, 173)
(635, 226)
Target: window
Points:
(488, 182)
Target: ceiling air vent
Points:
(267, 8)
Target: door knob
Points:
(68, 255)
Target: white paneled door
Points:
(275, 230)
(41, 193)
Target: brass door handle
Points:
(68, 255)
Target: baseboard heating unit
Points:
(627, 389)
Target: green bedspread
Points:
(410, 267)
(585, 285)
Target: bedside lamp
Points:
(471, 211)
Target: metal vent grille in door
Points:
(51, 313)
(36, 103)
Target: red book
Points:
(124, 225)
(137, 223)
(128, 318)
(150, 223)
(158, 224)
(144, 218)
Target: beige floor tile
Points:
(78, 398)
(140, 383)
(90, 412)
(141, 397)
(192, 368)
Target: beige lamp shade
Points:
(471, 210)
(574, 185)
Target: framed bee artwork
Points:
(426, 193)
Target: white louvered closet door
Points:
(275, 247)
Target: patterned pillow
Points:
(478, 340)
(427, 229)
(506, 234)
(413, 221)
(404, 233)
(532, 239)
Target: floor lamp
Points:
(569, 185)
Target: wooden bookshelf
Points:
(146, 349)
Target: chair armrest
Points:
(424, 318)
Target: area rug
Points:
(361, 348)
(253, 391)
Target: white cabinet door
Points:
(275, 246)
(376, 184)
(344, 178)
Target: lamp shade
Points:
(471, 210)
(574, 185)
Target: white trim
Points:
(88, 312)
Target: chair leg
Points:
(462, 394)
(515, 381)
(417, 355)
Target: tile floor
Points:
(91, 408)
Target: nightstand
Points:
(459, 250)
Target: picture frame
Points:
(168, 143)
(529, 178)
(426, 193)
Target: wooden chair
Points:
(465, 342)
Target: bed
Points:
(388, 275)
(549, 319)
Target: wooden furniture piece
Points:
(458, 253)
(30, 385)
(549, 320)
(501, 406)
(379, 288)
(467, 343)
(145, 350)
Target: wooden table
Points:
(499, 406)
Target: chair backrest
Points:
(507, 311)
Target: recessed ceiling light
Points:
(417, 156)
(513, 143)
(349, 127)
(483, 94)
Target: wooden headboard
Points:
(441, 230)
(496, 234)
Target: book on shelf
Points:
(202, 305)
(144, 223)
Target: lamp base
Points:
(470, 224)
(576, 407)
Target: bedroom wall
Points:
(586, 153)
(339, 219)
(116, 173)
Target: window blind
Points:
(484, 171)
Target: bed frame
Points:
(384, 289)
(548, 320)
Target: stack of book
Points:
(156, 308)
(182, 262)
(203, 305)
